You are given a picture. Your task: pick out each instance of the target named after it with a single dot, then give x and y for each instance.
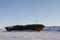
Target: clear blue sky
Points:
(13, 12)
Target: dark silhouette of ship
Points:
(33, 27)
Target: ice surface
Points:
(29, 35)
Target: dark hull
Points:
(33, 27)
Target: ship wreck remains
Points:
(33, 27)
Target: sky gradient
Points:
(19, 12)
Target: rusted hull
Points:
(33, 27)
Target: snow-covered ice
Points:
(30, 35)
(26, 35)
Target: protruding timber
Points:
(33, 27)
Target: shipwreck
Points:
(33, 27)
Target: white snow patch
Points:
(29, 35)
